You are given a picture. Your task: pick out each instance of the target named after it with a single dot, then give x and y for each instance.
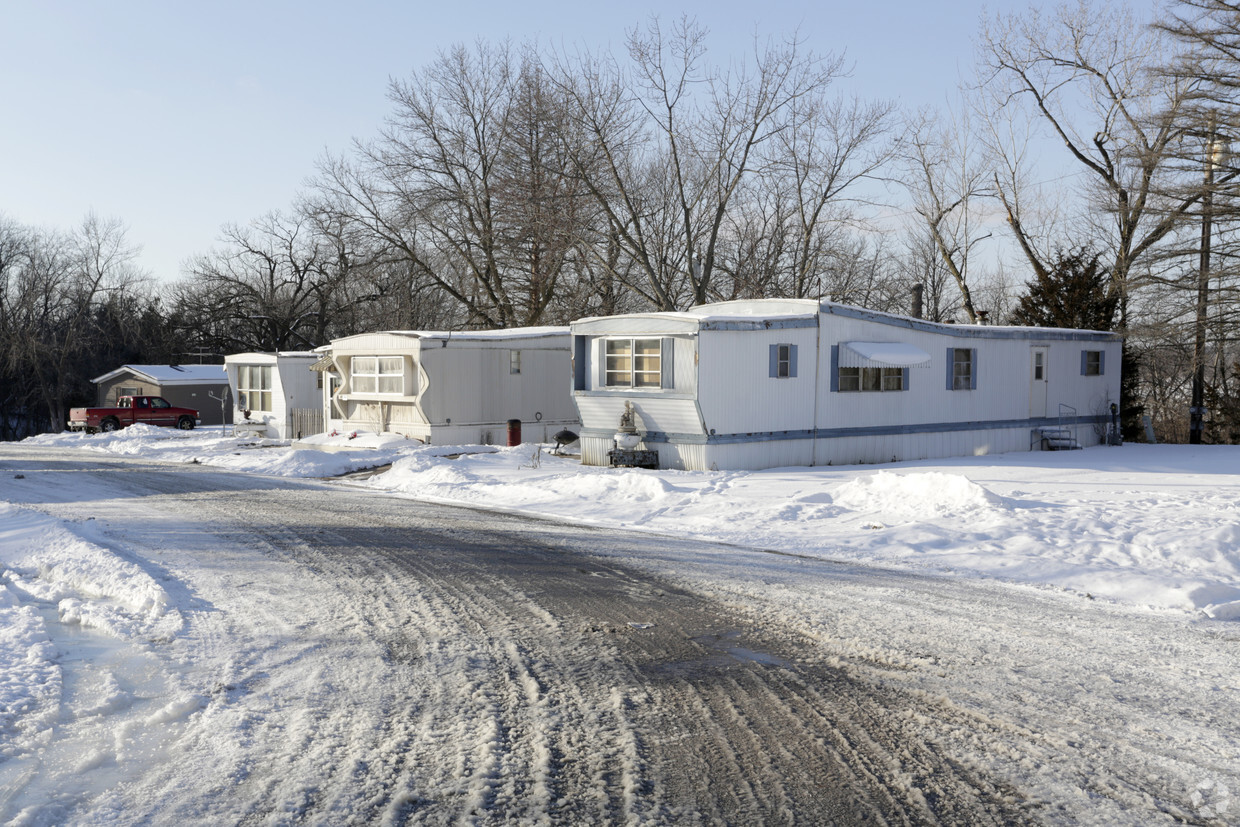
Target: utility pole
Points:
(1197, 409)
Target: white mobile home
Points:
(452, 387)
(762, 384)
(272, 391)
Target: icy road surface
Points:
(209, 647)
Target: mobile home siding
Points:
(735, 386)
(461, 387)
(751, 418)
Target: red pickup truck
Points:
(151, 410)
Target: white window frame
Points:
(1092, 365)
(963, 369)
(629, 362)
(377, 375)
(514, 362)
(783, 361)
(254, 388)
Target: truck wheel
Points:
(108, 425)
(185, 423)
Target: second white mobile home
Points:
(452, 387)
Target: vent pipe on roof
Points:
(918, 289)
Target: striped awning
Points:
(323, 365)
(883, 355)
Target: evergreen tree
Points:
(1072, 294)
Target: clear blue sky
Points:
(180, 117)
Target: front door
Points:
(1038, 382)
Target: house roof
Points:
(171, 374)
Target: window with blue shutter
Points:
(1092, 362)
(783, 362)
(667, 363)
(961, 369)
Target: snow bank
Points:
(45, 567)
(45, 562)
(908, 497)
(1151, 525)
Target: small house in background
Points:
(201, 387)
(276, 395)
(451, 387)
(770, 383)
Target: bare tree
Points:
(1086, 75)
(828, 146)
(1207, 34)
(667, 147)
(922, 263)
(279, 283)
(946, 181)
(465, 184)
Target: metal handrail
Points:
(1075, 424)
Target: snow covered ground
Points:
(1147, 525)
(1151, 530)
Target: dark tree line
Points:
(72, 307)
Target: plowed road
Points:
(353, 658)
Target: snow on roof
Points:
(750, 308)
(268, 358)
(891, 354)
(733, 311)
(751, 311)
(171, 374)
(509, 333)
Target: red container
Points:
(514, 432)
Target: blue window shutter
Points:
(1084, 361)
(792, 360)
(774, 361)
(602, 363)
(951, 366)
(1102, 362)
(904, 379)
(835, 368)
(973, 369)
(667, 362)
(580, 349)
